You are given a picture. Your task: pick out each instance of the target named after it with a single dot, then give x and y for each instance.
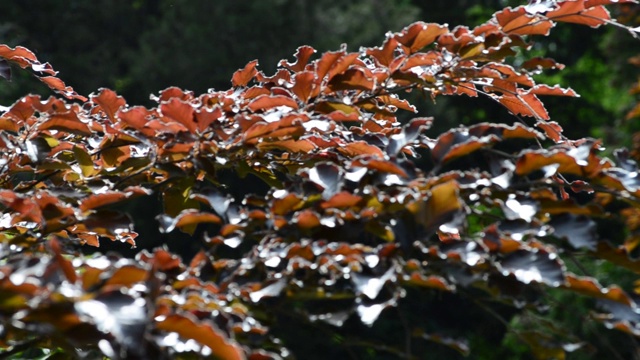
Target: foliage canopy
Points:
(365, 214)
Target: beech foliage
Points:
(363, 212)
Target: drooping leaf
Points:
(534, 266)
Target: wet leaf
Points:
(579, 230)
(328, 177)
(534, 266)
(123, 316)
(271, 290)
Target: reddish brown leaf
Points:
(307, 219)
(352, 79)
(342, 199)
(381, 165)
(575, 12)
(138, 117)
(127, 276)
(191, 217)
(110, 102)
(592, 3)
(295, 146)
(541, 63)
(284, 205)
(161, 260)
(431, 281)
(590, 287)
(304, 86)
(517, 21)
(346, 112)
(443, 203)
(525, 105)
(9, 124)
(58, 85)
(206, 116)
(356, 148)
(266, 102)
(422, 59)
(174, 92)
(181, 112)
(551, 129)
(65, 265)
(384, 55)
(242, 76)
(17, 53)
(303, 54)
(99, 200)
(419, 35)
(342, 64)
(326, 62)
(68, 122)
(543, 89)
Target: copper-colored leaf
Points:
(384, 55)
(552, 129)
(111, 197)
(242, 76)
(517, 21)
(66, 266)
(342, 199)
(295, 146)
(109, 102)
(419, 35)
(591, 287)
(266, 102)
(68, 122)
(304, 85)
(181, 112)
(58, 85)
(432, 281)
(352, 79)
(541, 63)
(303, 54)
(575, 12)
(204, 333)
(525, 104)
(543, 89)
(356, 148)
